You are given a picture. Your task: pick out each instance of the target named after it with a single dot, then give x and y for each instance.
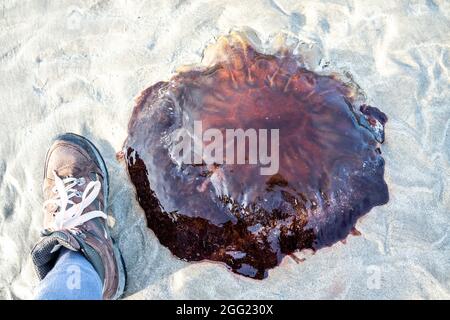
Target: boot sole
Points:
(89, 147)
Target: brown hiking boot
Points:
(76, 189)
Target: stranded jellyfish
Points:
(307, 164)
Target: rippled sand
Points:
(67, 66)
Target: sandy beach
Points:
(77, 66)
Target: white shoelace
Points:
(73, 217)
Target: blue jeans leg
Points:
(72, 278)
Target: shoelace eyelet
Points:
(81, 181)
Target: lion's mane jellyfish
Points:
(330, 169)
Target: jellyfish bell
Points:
(203, 205)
